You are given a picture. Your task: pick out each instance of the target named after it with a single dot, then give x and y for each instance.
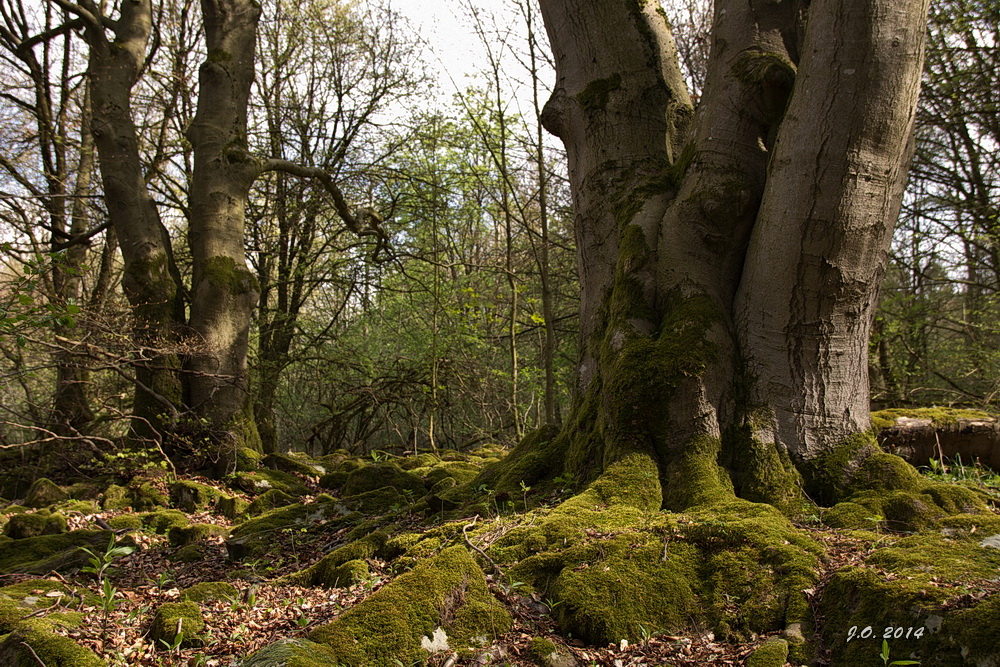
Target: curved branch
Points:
(93, 21)
(371, 226)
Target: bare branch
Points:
(373, 220)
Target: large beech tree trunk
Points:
(730, 257)
(224, 291)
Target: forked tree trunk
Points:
(729, 265)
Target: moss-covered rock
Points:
(33, 642)
(260, 480)
(908, 592)
(460, 471)
(343, 566)
(232, 507)
(380, 501)
(209, 591)
(381, 475)
(390, 624)
(247, 459)
(126, 522)
(44, 492)
(147, 496)
(183, 535)
(32, 525)
(162, 521)
(772, 653)
(852, 515)
(193, 496)
(254, 537)
(39, 555)
(85, 490)
(294, 463)
(77, 507)
(173, 618)
(292, 653)
(269, 500)
(115, 498)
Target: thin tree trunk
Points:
(150, 286)
(72, 397)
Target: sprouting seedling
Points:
(99, 564)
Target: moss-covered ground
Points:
(426, 559)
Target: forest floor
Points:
(264, 602)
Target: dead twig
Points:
(493, 565)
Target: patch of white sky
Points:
(463, 40)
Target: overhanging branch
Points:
(372, 223)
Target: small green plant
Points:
(885, 657)
(524, 493)
(174, 646)
(954, 470)
(100, 565)
(565, 483)
(163, 579)
(875, 521)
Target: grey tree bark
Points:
(223, 291)
(730, 258)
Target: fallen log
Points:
(919, 438)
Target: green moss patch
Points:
(44, 492)
(115, 498)
(292, 653)
(162, 521)
(258, 481)
(294, 463)
(937, 416)
(343, 566)
(39, 555)
(173, 618)
(42, 593)
(21, 526)
(193, 496)
(373, 477)
(31, 642)
(916, 584)
(147, 496)
(771, 653)
(208, 591)
(447, 592)
(254, 537)
(269, 500)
